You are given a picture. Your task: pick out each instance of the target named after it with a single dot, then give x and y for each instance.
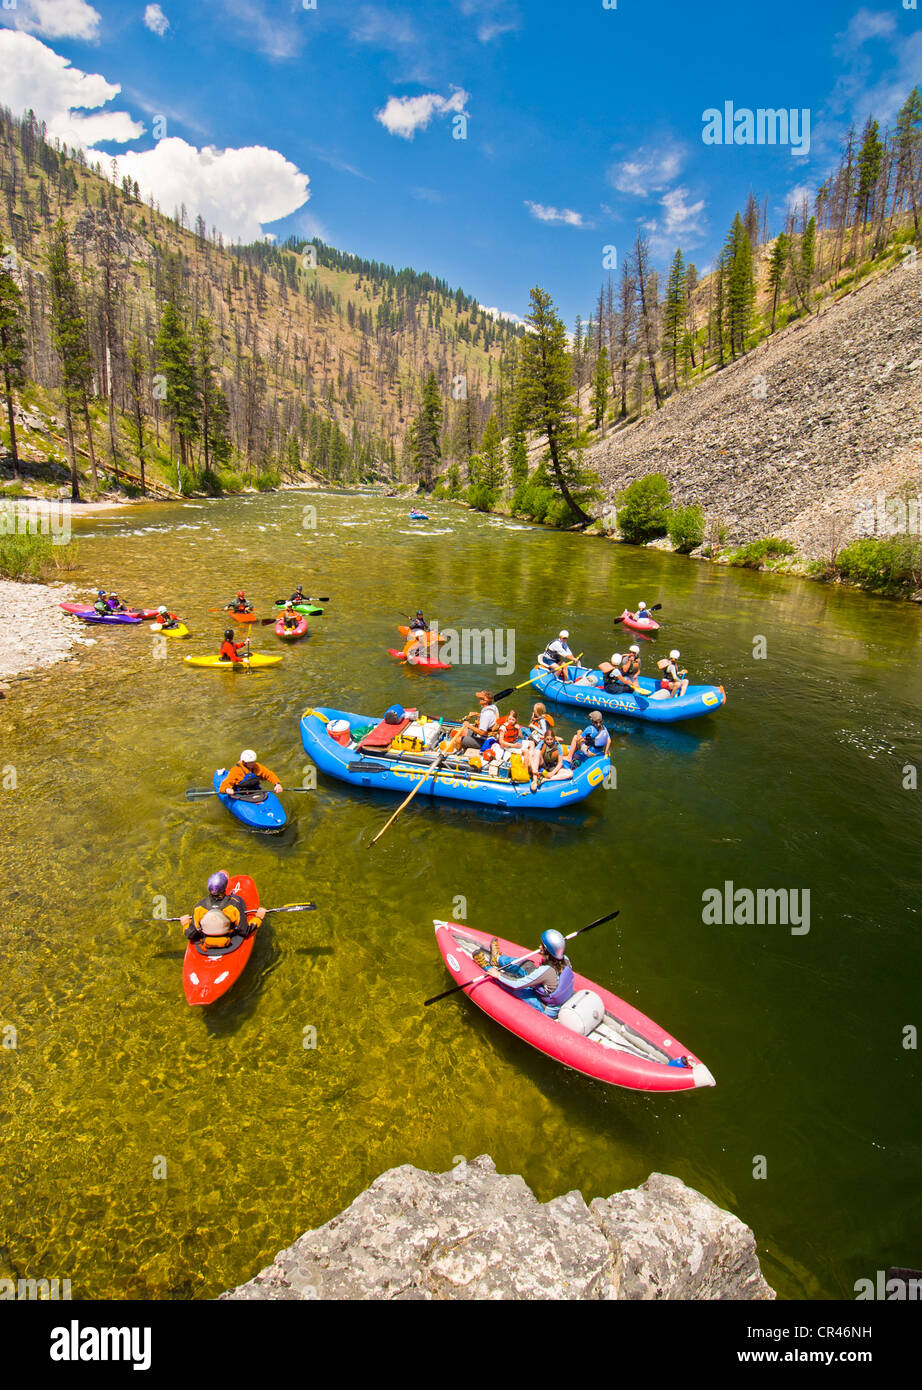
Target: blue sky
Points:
(579, 121)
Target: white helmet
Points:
(563, 634)
(641, 605)
(674, 654)
(248, 756)
(615, 658)
(163, 608)
(636, 651)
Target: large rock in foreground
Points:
(477, 1234)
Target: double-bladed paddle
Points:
(472, 984)
(199, 793)
(289, 907)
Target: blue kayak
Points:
(697, 700)
(257, 811)
(454, 781)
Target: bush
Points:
(885, 566)
(686, 528)
(209, 483)
(481, 497)
(186, 482)
(533, 500)
(759, 553)
(560, 513)
(268, 480)
(643, 509)
(33, 558)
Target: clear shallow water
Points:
(797, 783)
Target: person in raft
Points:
(592, 742)
(621, 675)
(239, 604)
(290, 618)
(547, 987)
(166, 619)
(673, 679)
(476, 728)
(556, 655)
(230, 649)
(248, 776)
(545, 762)
(219, 915)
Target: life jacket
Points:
(563, 990)
(228, 652)
(597, 739)
(551, 657)
(232, 900)
(239, 605)
(550, 755)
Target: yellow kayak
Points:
(181, 631)
(214, 663)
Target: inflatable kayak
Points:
(290, 634)
(595, 1033)
(308, 610)
(425, 663)
(367, 758)
(653, 704)
(638, 624)
(418, 516)
(214, 663)
(207, 974)
(429, 637)
(260, 810)
(110, 618)
(180, 631)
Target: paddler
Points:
(166, 619)
(547, 987)
(219, 915)
(557, 655)
(115, 603)
(419, 624)
(299, 596)
(239, 604)
(415, 646)
(544, 761)
(478, 726)
(673, 679)
(620, 679)
(643, 613)
(230, 649)
(290, 617)
(248, 775)
(101, 606)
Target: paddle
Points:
(430, 772)
(280, 602)
(472, 984)
(199, 793)
(503, 694)
(289, 907)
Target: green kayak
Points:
(309, 610)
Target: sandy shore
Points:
(36, 633)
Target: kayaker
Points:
(239, 604)
(290, 618)
(592, 742)
(419, 623)
(166, 619)
(556, 655)
(673, 679)
(299, 596)
(229, 648)
(642, 613)
(115, 604)
(219, 915)
(248, 775)
(101, 606)
(547, 987)
(415, 646)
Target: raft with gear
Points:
(209, 972)
(653, 704)
(258, 810)
(291, 634)
(394, 757)
(594, 1033)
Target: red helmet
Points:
(241, 594)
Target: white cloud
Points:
(55, 19)
(156, 20)
(797, 196)
(864, 25)
(557, 217)
(235, 190)
(404, 116)
(650, 171)
(386, 29)
(501, 314)
(679, 223)
(494, 18)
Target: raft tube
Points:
(698, 699)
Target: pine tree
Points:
(491, 453)
(423, 437)
(175, 358)
(740, 292)
(137, 370)
(599, 400)
(688, 338)
(870, 158)
(909, 155)
(212, 403)
(777, 264)
(12, 350)
(804, 265)
(627, 319)
(646, 288)
(674, 311)
(72, 346)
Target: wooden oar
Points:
(472, 984)
(289, 907)
(430, 773)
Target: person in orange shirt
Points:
(230, 649)
(219, 916)
(248, 776)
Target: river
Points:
(151, 1150)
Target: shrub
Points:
(268, 480)
(758, 553)
(186, 483)
(33, 558)
(560, 513)
(643, 508)
(686, 528)
(533, 500)
(884, 565)
(481, 497)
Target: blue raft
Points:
(697, 700)
(263, 812)
(400, 772)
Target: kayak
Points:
(369, 761)
(620, 1045)
(418, 516)
(638, 624)
(111, 618)
(429, 637)
(212, 663)
(207, 974)
(653, 704)
(260, 810)
(425, 663)
(243, 617)
(80, 610)
(180, 631)
(308, 610)
(290, 634)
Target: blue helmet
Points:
(554, 943)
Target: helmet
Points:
(615, 658)
(228, 634)
(636, 651)
(640, 605)
(419, 612)
(554, 943)
(100, 593)
(163, 608)
(289, 604)
(563, 634)
(214, 923)
(674, 655)
(248, 756)
(241, 594)
(217, 884)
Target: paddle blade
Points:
(199, 793)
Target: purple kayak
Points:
(107, 617)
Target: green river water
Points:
(797, 783)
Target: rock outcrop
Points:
(474, 1233)
(800, 437)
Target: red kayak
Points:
(595, 1033)
(80, 610)
(243, 617)
(425, 663)
(638, 624)
(290, 634)
(207, 974)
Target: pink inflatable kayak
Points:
(624, 1047)
(290, 634)
(638, 624)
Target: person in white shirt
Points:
(476, 728)
(557, 655)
